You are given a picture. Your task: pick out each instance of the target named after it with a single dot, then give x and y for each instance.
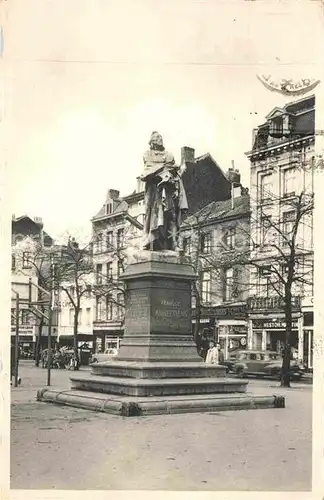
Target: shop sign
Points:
(266, 324)
(224, 311)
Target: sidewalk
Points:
(58, 447)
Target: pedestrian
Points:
(212, 354)
(221, 356)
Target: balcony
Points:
(271, 303)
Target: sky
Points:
(86, 82)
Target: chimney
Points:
(233, 175)
(112, 194)
(39, 221)
(254, 136)
(139, 185)
(187, 154)
(13, 217)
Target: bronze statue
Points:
(165, 197)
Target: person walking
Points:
(221, 356)
(212, 357)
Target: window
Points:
(109, 308)
(99, 274)
(205, 243)
(120, 238)
(228, 284)
(266, 187)
(25, 317)
(26, 260)
(120, 306)
(205, 286)
(120, 268)
(99, 243)
(99, 308)
(71, 316)
(264, 282)
(276, 127)
(187, 245)
(109, 208)
(13, 262)
(289, 182)
(253, 356)
(110, 238)
(288, 219)
(109, 274)
(230, 238)
(88, 316)
(80, 317)
(265, 229)
(13, 316)
(72, 290)
(88, 291)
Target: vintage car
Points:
(261, 364)
(103, 356)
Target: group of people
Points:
(61, 358)
(215, 355)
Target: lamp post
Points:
(50, 319)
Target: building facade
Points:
(216, 242)
(28, 237)
(282, 176)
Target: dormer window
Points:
(109, 208)
(276, 127)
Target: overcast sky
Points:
(88, 80)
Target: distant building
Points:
(282, 159)
(28, 237)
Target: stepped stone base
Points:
(156, 369)
(154, 387)
(127, 406)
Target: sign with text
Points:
(270, 324)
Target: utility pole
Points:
(50, 318)
(17, 340)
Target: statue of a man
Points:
(165, 197)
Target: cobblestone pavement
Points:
(55, 447)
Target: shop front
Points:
(227, 325)
(308, 332)
(106, 338)
(26, 341)
(270, 333)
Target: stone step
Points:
(126, 406)
(157, 387)
(157, 370)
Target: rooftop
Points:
(220, 210)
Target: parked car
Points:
(103, 356)
(261, 364)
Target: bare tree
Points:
(73, 274)
(282, 257)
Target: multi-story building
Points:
(216, 242)
(117, 229)
(28, 237)
(281, 159)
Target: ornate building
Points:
(282, 174)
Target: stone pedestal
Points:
(158, 310)
(157, 369)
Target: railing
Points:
(260, 303)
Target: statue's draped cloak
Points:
(164, 201)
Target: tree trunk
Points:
(75, 336)
(285, 372)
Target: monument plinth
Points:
(158, 369)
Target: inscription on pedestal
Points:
(137, 311)
(171, 315)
